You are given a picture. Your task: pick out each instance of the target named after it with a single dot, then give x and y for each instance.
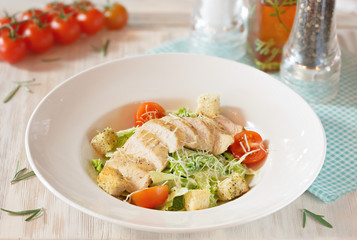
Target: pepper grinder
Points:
(218, 28)
(311, 59)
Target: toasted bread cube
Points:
(111, 181)
(105, 141)
(197, 199)
(209, 105)
(231, 187)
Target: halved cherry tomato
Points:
(65, 29)
(148, 111)
(91, 20)
(116, 16)
(151, 197)
(248, 143)
(12, 49)
(38, 39)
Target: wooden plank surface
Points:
(61, 221)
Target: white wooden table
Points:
(152, 23)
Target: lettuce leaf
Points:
(184, 112)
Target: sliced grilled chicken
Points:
(146, 145)
(134, 170)
(228, 125)
(222, 140)
(169, 134)
(204, 131)
(189, 132)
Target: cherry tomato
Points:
(148, 111)
(91, 20)
(12, 49)
(66, 29)
(151, 197)
(55, 8)
(116, 16)
(38, 39)
(248, 141)
(31, 13)
(5, 20)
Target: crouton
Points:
(209, 105)
(105, 141)
(111, 181)
(197, 199)
(231, 187)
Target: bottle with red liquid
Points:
(269, 26)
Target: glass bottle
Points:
(269, 26)
(218, 28)
(311, 62)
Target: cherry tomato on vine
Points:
(151, 197)
(38, 39)
(65, 29)
(12, 49)
(5, 20)
(116, 16)
(148, 111)
(248, 141)
(91, 20)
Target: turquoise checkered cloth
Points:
(338, 175)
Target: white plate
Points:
(59, 131)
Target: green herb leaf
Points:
(34, 212)
(272, 14)
(19, 84)
(303, 219)
(11, 94)
(25, 176)
(103, 49)
(282, 12)
(18, 174)
(51, 59)
(317, 217)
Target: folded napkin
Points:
(338, 175)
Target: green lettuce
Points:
(184, 112)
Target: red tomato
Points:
(248, 141)
(38, 39)
(55, 8)
(91, 20)
(148, 111)
(5, 20)
(66, 29)
(116, 16)
(151, 197)
(31, 13)
(12, 49)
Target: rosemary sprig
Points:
(103, 49)
(23, 84)
(50, 59)
(317, 217)
(19, 174)
(35, 213)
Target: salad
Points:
(178, 161)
